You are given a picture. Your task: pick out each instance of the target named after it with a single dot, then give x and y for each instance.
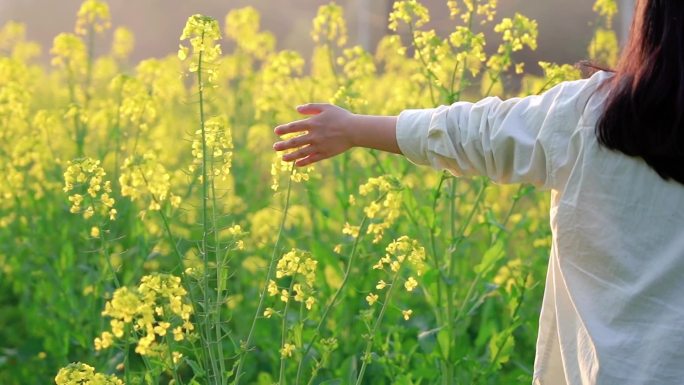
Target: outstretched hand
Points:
(326, 134)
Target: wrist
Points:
(353, 129)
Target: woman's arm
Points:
(332, 130)
(530, 139)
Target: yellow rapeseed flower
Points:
(123, 42)
(286, 350)
(158, 305)
(203, 33)
(607, 9)
(410, 12)
(82, 374)
(84, 179)
(372, 298)
(410, 284)
(407, 314)
(92, 16)
(242, 26)
(329, 25)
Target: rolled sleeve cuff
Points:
(412, 131)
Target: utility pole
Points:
(364, 26)
(626, 8)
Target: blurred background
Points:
(565, 27)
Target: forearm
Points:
(332, 130)
(376, 132)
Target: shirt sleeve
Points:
(509, 141)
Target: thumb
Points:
(311, 108)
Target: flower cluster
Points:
(264, 223)
(301, 267)
(203, 32)
(382, 212)
(472, 53)
(92, 16)
(329, 25)
(432, 50)
(218, 144)
(79, 373)
(242, 26)
(410, 12)
(161, 80)
(85, 178)
(286, 350)
(356, 63)
(604, 47)
(519, 31)
(144, 178)
(400, 252)
(123, 42)
(392, 53)
(13, 43)
(607, 9)
(554, 73)
(486, 9)
(279, 77)
(279, 167)
(69, 52)
(156, 309)
(137, 104)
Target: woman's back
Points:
(613, 305)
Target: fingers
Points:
(313, 158)
(296, 142)
(312, 108)
(289, 128)
(304, 153)
(304, 124)
(301, 153)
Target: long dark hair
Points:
(644, 114)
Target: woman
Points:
(611, 149)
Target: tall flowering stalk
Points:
(399, 253)
(212, 142)
(246, 345)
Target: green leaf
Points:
(500, 347)
(264, 378)
(196, 368)
(297, 331)
(490, 258)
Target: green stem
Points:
(471, 289)
(431, 74)
(246, 346)
(497, 77)
(462, 81)
(331, 304)
(371, 337)
(283, 335)
(514, 319)
(219, 281)
(461, 232)
(205, 224)
(105, 250)
(174, 371)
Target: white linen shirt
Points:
(613, 308)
